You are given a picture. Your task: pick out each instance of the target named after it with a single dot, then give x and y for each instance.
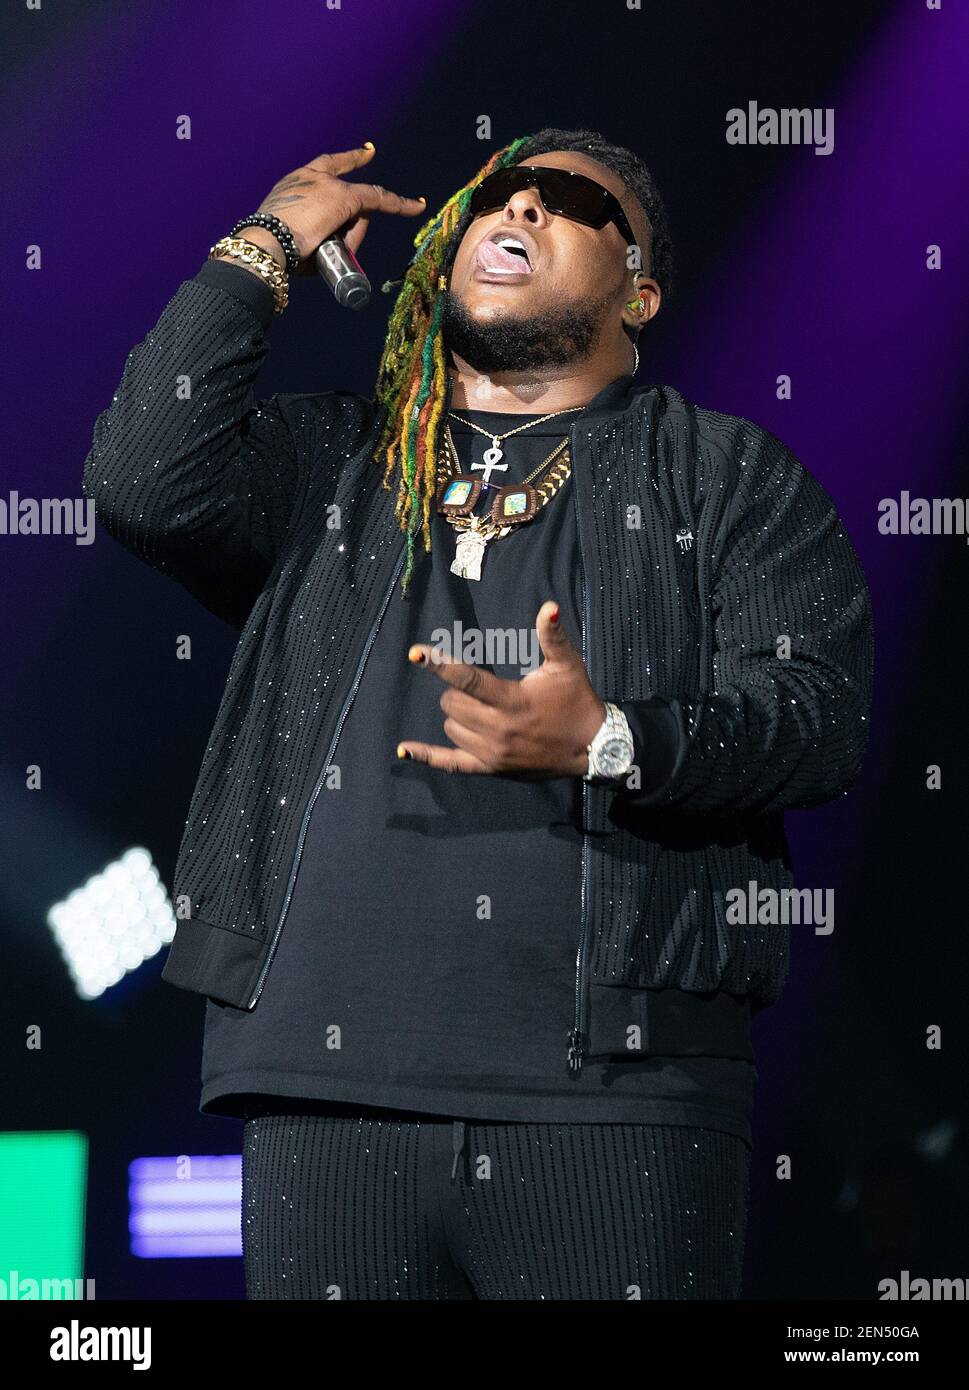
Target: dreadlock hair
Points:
(412, 376)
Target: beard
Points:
(552, 338)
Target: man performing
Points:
(532, 661)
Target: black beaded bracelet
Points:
(279, 230)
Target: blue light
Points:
(185, 1206)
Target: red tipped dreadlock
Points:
(412, 377)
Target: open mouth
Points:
(504, 254)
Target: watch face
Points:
(615, 757)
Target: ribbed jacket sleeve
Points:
(777, 730)
(187, 470)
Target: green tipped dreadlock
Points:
(412, 377)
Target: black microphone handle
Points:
(343, 273)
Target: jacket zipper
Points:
(327, 763)
(578, 1035)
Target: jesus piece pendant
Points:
(469, 552)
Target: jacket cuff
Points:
(659, 743)
(237, 281)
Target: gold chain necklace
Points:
(516, 503)
(493, 455)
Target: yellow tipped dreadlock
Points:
(412, 377)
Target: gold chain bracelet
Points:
(260, 260)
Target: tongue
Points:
(494, 257)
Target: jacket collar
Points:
(616, 397)
(613, 399)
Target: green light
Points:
(43, 1179)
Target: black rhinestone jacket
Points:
(722, 598)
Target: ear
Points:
(644, 301)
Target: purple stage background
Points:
(789, 263)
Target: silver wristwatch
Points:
(611, 751)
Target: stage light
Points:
(43, 1180)
(185, 1207)
(119, 919)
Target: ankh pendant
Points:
(491, 457)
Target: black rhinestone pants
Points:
(371, 1206)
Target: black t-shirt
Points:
(427, 962)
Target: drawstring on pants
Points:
(457, 1145)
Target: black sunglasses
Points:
(569, 195)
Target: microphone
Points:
(343, 273)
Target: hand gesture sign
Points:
(536, 727)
